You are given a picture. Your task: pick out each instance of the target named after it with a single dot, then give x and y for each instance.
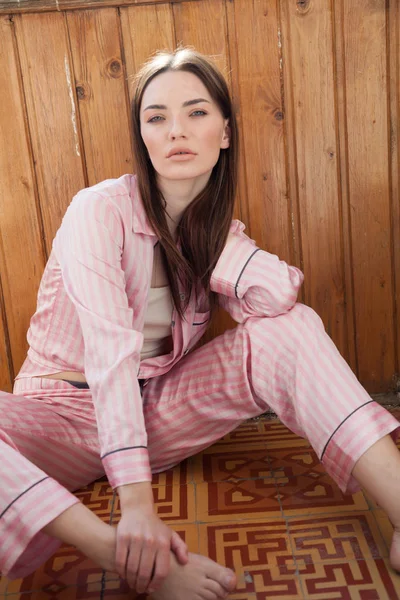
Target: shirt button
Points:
(182, 297)
(172, 323)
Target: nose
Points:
(177, 129)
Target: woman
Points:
(109, 385)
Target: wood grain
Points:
(317, 86)
(262, 121)
(203, 25)
(102, 94)
(22, 6)
(369, 163)
(344, 196)
(309, 32)
(21, 247)
(53, 116)
(394, 116)
(212, 40)
(145, 29)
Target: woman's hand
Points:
(144, 542)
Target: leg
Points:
(33, 434)
(287, 363)
(290, 364)
(43, 457)
(378, 471)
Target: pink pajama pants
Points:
(48, 437)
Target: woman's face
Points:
(182, 126)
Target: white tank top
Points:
(157, 323)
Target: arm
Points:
(89, 246)
(251, 282)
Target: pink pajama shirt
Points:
(55, 438)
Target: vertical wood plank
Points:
(53, 117)
(262, 118)
(339, 58)
(102, 95)
(203, 25)
(145, 29)
(242, 201)
(393, 22)
(21, 250)
(368, 155)
(309, 33)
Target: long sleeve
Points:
(251, 282)
(89, 247)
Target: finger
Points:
(146, 564)
(121, 555)
(162, 567)
(179, 548)
(132, 564)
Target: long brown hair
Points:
(204, 226)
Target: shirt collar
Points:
(140, 222)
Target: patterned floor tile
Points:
(250, 432)
(385, 526)
(231, 463)
(173, 503)
(247, 503)
(3, 586)
(241, 500)
(67, 574)
(178, 475)
(98, 496)
(350, 580)
(314, 493)
(276, 434)
(289, 461)
(336, 537)
(259, 553)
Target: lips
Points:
(181, 151)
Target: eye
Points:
(197, 113)
(155, 119)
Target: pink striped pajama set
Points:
(55, 438)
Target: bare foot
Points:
(200, 579)
(395, 550)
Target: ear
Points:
(226, 138)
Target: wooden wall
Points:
(317, 85)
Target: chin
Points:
(181, 174)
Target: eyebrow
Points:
(187, 103)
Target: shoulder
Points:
(115, 195)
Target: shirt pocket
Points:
(200, 323)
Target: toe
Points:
(225, 577)
(215, 587)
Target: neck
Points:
(178, 196)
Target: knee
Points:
(298, 317)
(305, 315)
(288, 330)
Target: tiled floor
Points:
(257, 501)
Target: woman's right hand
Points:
(144, 542)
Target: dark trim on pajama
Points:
(344, 420)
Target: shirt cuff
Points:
(230, 266)
(127, 465)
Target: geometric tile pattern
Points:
(257, 501)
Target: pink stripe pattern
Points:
(55, 438)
